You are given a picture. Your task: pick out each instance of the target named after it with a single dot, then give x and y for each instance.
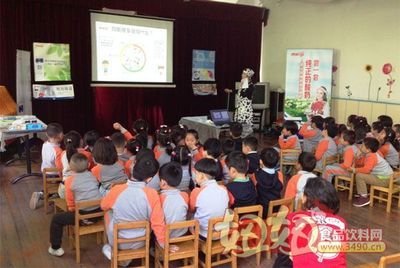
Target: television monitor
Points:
(220, 117)
(261, 96)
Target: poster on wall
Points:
(53, 92)
(51, 62)
(203, 72)
(308, 83)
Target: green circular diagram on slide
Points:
(133, 58)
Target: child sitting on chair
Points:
(80, 186)
(174, 202)
(327, 146)
(312, 133)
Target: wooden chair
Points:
(131, 254)
(258, 210)
(348, 184)
(385, 260)
(188, 245)
(213, 246)
(388, 191)
(288, 157)
(96, 228)
(50, 185)
(327, 161)
(287, 202)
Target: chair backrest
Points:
(288, 202)
(290, 153)
(52, 171)
(257, 209)
(192, 236)
(216, 226)
(331, 160)
(87, 204)
(385, 260)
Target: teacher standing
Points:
(244, 96)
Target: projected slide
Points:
(130, 53)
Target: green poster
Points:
(51, 62)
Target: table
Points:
(206, 128)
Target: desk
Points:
(203, 127)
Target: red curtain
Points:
(233, 31)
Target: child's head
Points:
(140, 126)
(72, 141)
(170, 175)
(54, 132)
(377, 128)
(250, 144)
(319, 193)
(212, 148)
(389, 136)
(181, 154)
(329, 121)
(386, 120)
(228, 146)
(205, 169)
(341, 128)
(178, 138)
(104, 152)
(236, 129)
(90, 138)
(133, 146)
(163, 136)
(348, 137)
(351, 120)
(370, 145)
(321, 94)
(79, 163)
(192, 138)
(360, 134)
(237, 164)
(330, 131)
(317, 122)
(145, 153)
(290, 128)
(396, 129)
(360, 121)
(119, 141)
(145, 169)
(269, 158)
(307, 161)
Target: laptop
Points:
(220, 117)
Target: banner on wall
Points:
(308, 83)
(203, 72)
(51, 62)
(53, 92)
(23, 75)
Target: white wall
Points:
(360, 31)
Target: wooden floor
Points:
(25, 233)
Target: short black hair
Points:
(213, 147)
(78, 163)
(386, 120)
(134, 146)
(181, 154)
(171, 173)
(349, 136)
(251, 142)
(228, 146)
(145, 153)
(291, 126)
(329, 120)
(207, 166)
(318, 121)
(351, 119)
(371, 144)
(90, 137)
(104, 152)
(237, 160)
(307, 161)
(236, 129)
(53, 130)
(145, 168)
(118, 139)
(378, 126)
(332, 130)
(269, 157)
(140, 125)
(319, 191)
